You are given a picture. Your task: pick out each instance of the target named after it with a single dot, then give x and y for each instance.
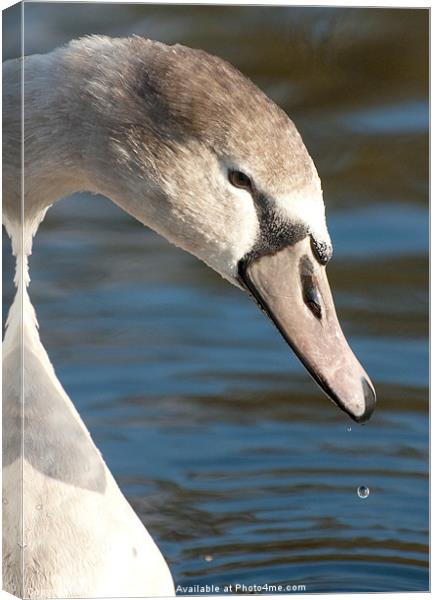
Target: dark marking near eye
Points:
(310, 290)
(275, 232)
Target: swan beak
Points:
(291, 286)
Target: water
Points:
(216, 434)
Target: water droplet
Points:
(5, 501)
(208, 558)
(363, 491)
(38, 506)
(348, 428)
(22, 545)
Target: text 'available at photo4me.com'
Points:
(241, 588)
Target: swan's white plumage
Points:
(71, 532)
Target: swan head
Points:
(210, 162)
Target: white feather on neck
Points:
(21, 323)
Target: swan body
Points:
(161, 131)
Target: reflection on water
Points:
(220, 440)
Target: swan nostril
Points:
(310, 290)
(311, 300)
(311, 295)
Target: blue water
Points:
(217, 435)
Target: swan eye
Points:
(240, 180)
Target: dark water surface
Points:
(239, 466)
